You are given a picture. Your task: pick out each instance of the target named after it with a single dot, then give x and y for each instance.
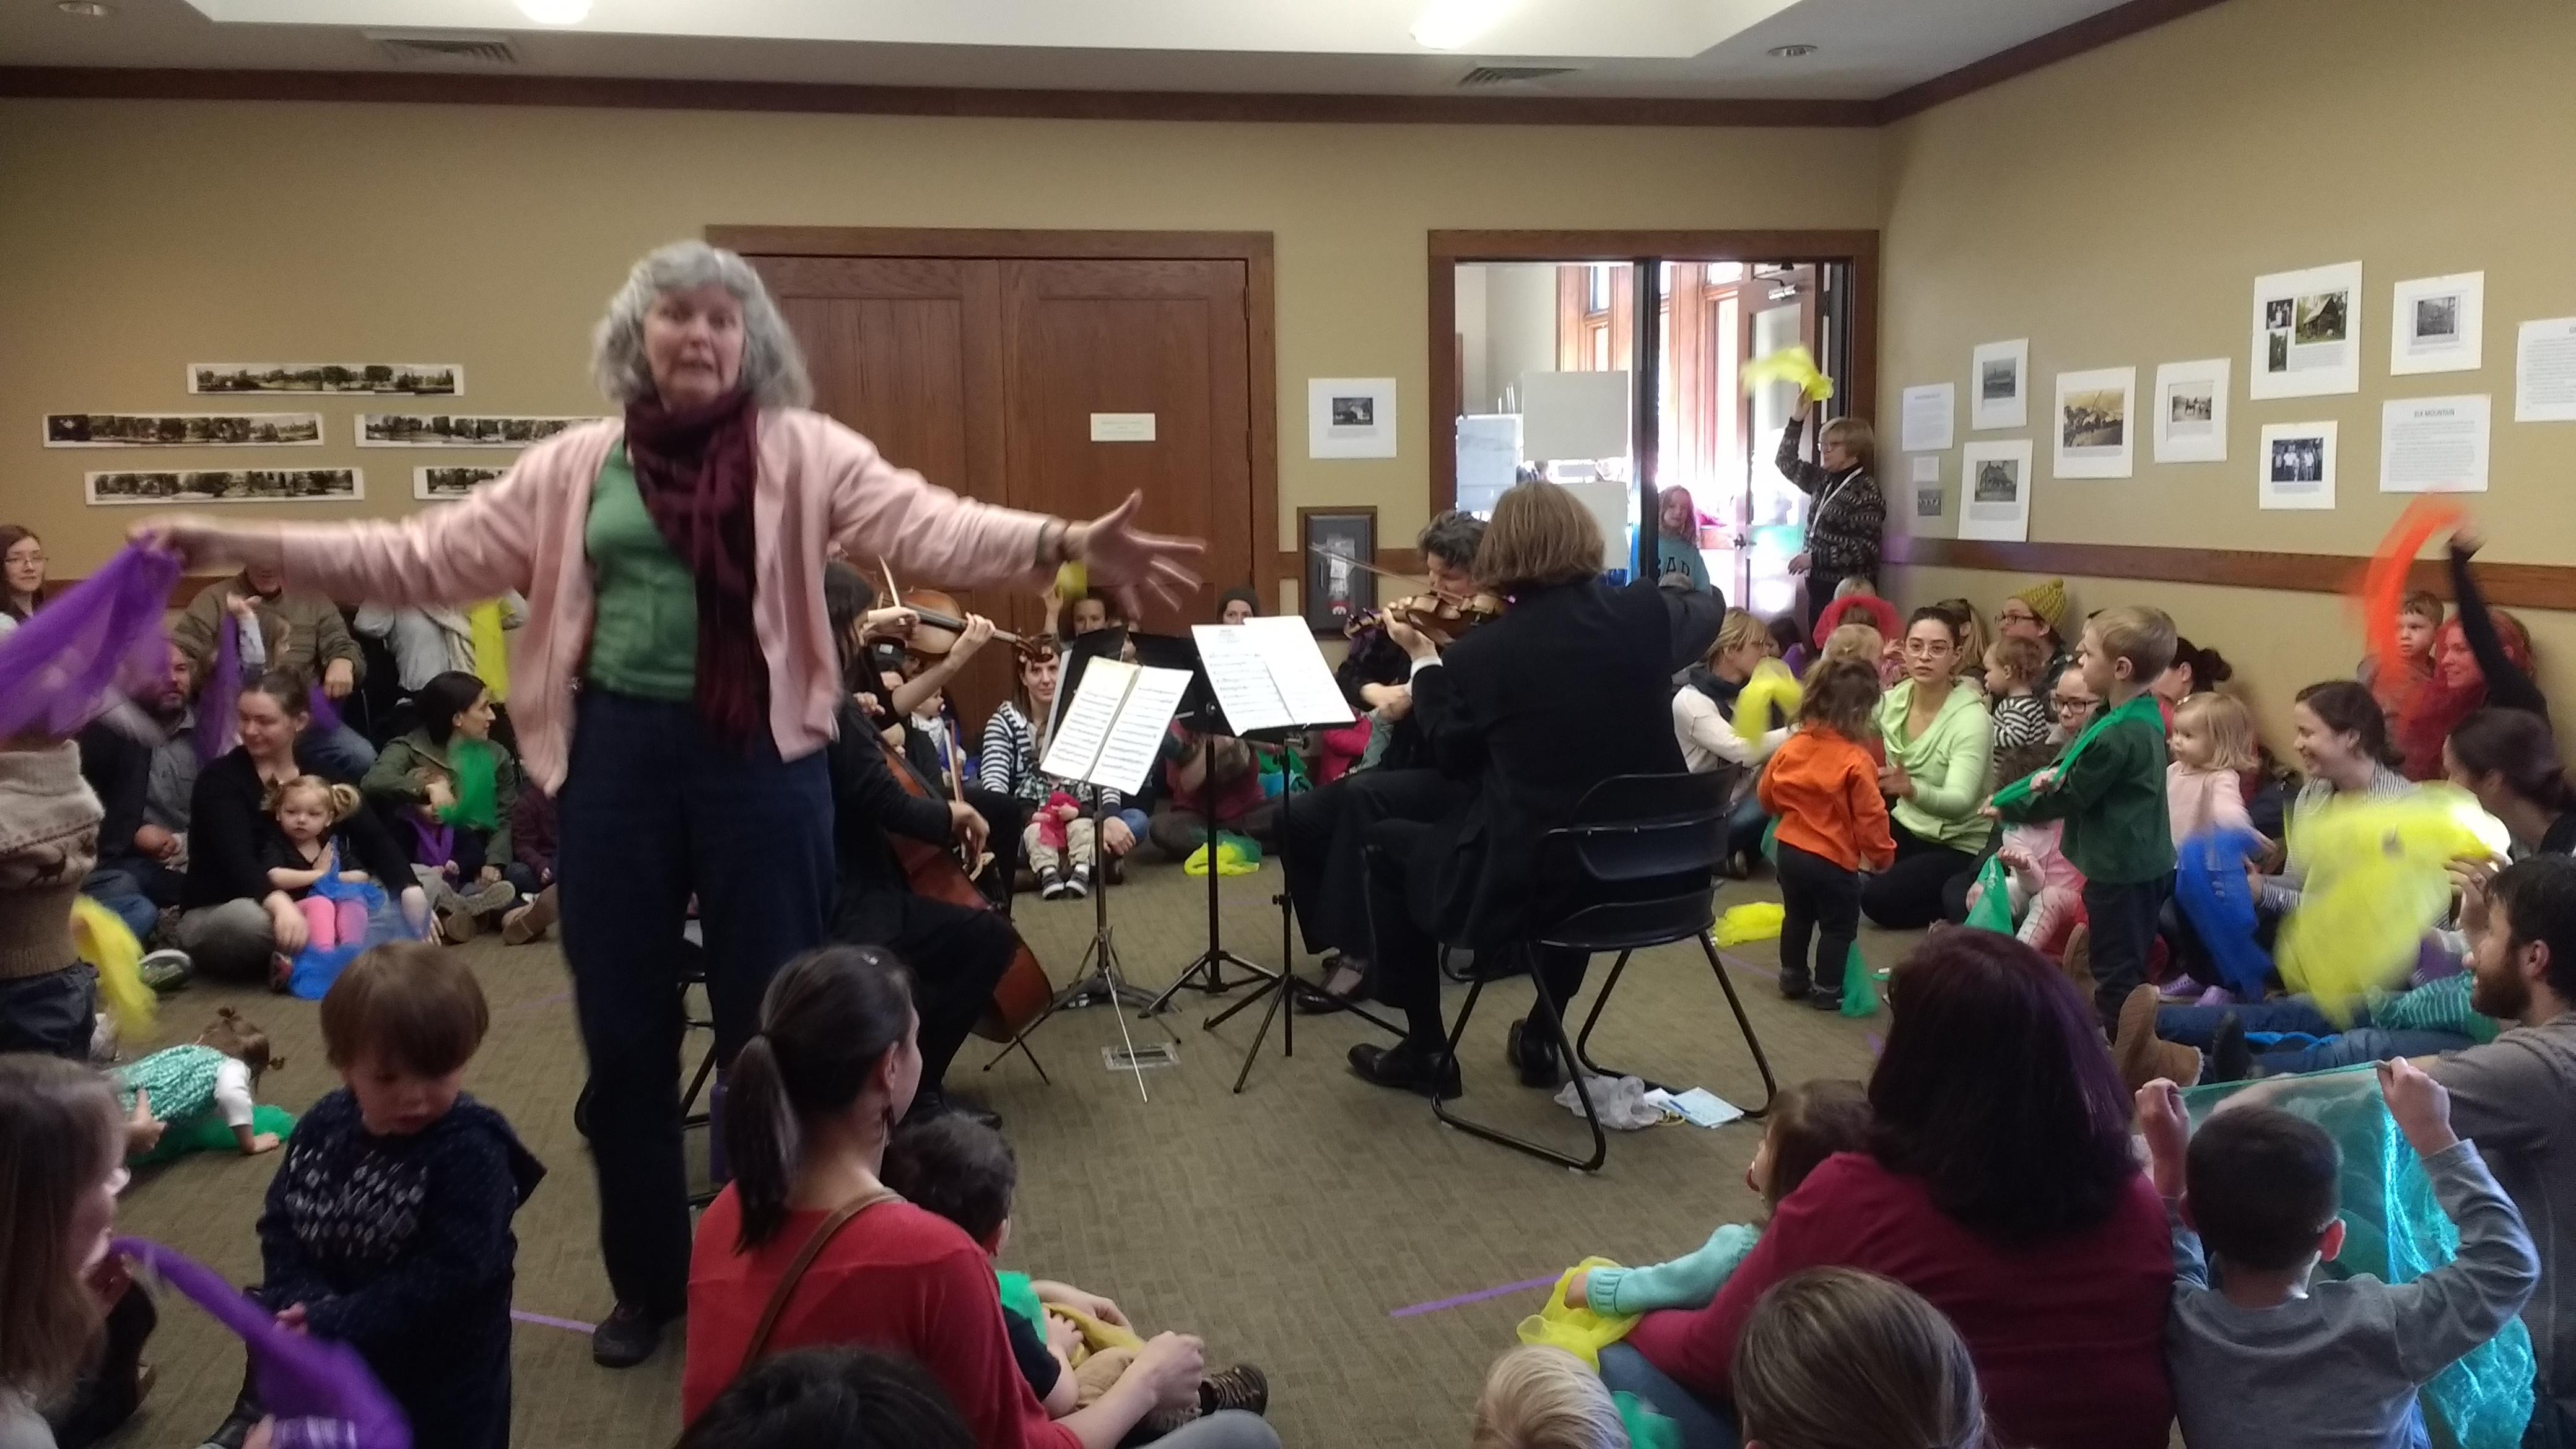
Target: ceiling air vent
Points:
(443, 47)
(1502, 75)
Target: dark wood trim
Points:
(2516, 586)
(907, 241)
(2091, 33)
(623, 93)
(1627, 246)
(1449, 248)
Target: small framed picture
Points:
(1335, 542)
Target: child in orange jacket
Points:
(1823, 785)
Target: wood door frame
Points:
(1260, 303)
(1449, 248)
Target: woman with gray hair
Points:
(678, 681)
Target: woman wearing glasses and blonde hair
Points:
(1847, 514)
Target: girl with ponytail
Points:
(807, 1248)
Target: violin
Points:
(940, 621)
(1437, 615)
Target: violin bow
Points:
(1320, 551)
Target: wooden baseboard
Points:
(2516, 586)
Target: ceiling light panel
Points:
(1668, 29)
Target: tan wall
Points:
(137, 237)
(2116, 208)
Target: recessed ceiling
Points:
(1691, 49)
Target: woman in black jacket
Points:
(1848, 514)
(232, 923)
(1571, 686)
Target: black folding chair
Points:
(1635, 868)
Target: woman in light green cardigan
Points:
(1940, 744)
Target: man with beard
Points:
(144, 788)
(2515, 1097)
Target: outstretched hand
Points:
(195, 541)
(1132, 563)
(2167, 1129)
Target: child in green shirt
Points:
(2109, 788)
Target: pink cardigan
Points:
(819, 483)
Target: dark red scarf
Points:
(695, 468)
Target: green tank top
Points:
(644, 631)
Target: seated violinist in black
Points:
(1570, 687)
(956, 952)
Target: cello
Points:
(939, 872)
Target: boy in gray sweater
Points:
(2262, 1357)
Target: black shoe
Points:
(1824, 1000)
(2230, 1059)
(1324, 1000)
(1405, 1067)
(1795, 983)
(626, 1337)
(1240, 1387)
(1532, 1055)
(235, 1428)
(931, 1102)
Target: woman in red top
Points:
(1999, 1184)
(835, 1057)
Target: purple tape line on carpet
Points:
(569, 1325)
(1740, 964)
(1479, 1296)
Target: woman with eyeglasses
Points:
(22, 571)
(2034, 614)
(1940, 749)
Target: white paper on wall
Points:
(2190, 406)
(1927, 489)
(2544, 372)
(2307, 333)
(1930, 417)
(2434, 444)
(1999, 384)
(2438, 324)
(2296, 466)
(1994, 490)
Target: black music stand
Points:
(1200, 711)
(1098, 976)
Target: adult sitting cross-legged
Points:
(232, 923)
(677, 682)
(2000, 1185)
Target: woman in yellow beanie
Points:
(2036, 614)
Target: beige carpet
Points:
(1287, 1225)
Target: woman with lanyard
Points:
(1843, 525)
(678, 681)
(1940, 747)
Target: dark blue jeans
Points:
(655, 810)
(2296, 1016)
(1703, 1425)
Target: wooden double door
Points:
(1058, 385)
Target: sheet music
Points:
(1240, 675)
(1082, 725)
(1297, 667)
(1268, 674)
(1136, 740)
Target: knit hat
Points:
(2048, 601)
(48, 846)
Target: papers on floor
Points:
(1699, 1106)
(1268, 674)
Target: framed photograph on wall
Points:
(1334, 542)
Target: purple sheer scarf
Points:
(89, 649)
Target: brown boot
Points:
(2077, 960)
(2141, 1055)
(531, 921)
